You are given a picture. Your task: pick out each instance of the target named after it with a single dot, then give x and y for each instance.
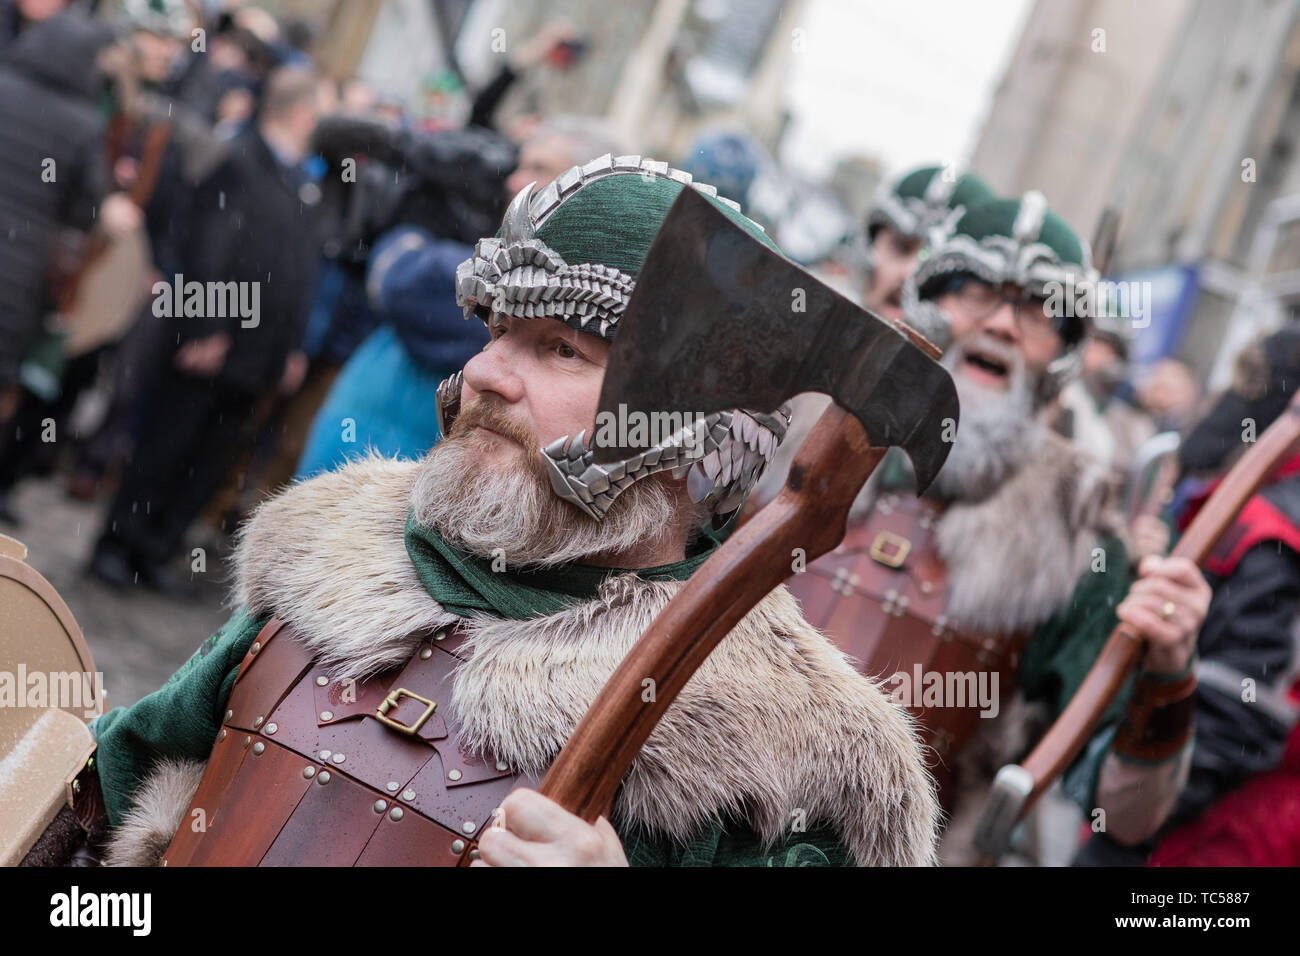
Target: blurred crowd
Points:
(223, 269)
(146, 175)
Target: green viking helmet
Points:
(916, 203)
(572, 252)
(923, 199)
(1019, 241)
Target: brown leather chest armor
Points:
(311, 771)
(881, 597)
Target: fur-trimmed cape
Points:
(776, 724)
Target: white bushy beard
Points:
(513, 511)
(998, 431)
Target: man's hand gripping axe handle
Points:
(710, 327)
(1018, 786)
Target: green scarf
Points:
(466, 584)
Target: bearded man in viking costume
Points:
(985, 602)
(415, 641)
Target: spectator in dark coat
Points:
(18, 15)
(52, 173)
(252, 232)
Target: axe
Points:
(718, 320)
(1018, 786)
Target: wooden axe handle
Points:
(809, 515)
(1122, 652)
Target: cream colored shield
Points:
(49, 692)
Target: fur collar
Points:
(776, 725)
(1014, 558)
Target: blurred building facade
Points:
(659, 71)
(1185, 114)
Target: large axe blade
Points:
(718, 320)
(715, 323)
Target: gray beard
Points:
(513, 513)
(998, 433)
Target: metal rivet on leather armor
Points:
(322, 681)
(469, 826)
(381, 806)
(324, 755)
(501, 765)
(339, 758)
(323, 777)
(395, 814)
(247, 741)
(229, 714)
(441, 635)
(222, 735)
(426, 653)
(408, 794)
(309, 772)
(473, 854)
(258, 722)
(392, 786)
(271, 728)
(453, 774)
(458, 846)
(258, 747)
(327, 715)
(257, 646)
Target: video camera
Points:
(451, 183)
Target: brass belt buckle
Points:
(390, 703)
(887, 539)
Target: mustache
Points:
(489, 413)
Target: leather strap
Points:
(881, 597)
(378, 764)
(1158, 722)
(87, 798)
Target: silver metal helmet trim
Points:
(447, 401)
(722, 460)
(519, 275)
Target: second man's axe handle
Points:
(808, 517)
(1018, 787)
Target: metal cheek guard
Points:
(447, 401)
(722, 457)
